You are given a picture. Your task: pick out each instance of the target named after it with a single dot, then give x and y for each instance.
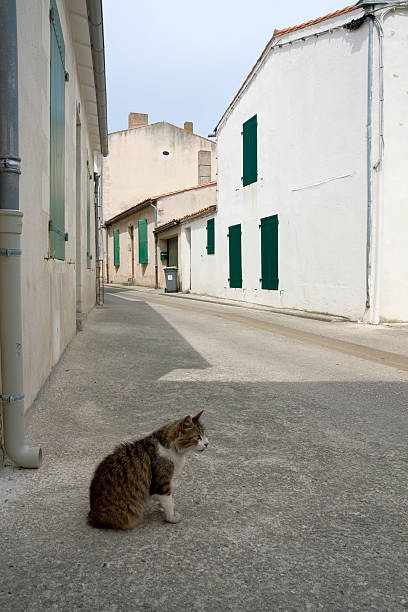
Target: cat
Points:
(125, 479)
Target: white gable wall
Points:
(310, 99)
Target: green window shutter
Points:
(116, 251)
(210, 237)
(249, 147)
(269, 252)
(57, 138)
(235, 258)
(88, 219)
(143, 253)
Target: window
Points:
(143, 253)
(269, 252)
(249, 147)
(116, 251)
(58, 237)
(235, 259)
(204, 167)
(210, 237)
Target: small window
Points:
(116, 251)
(249, 151)
(210, 237)
(166, 153)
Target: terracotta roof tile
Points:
(194, 214)
(347, 9)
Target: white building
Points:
(312, 190)
(53, 117)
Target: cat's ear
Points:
(186, 422)
(197, 416)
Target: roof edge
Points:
(277, 33)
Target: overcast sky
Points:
(184, 60)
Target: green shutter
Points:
(235, 260)
(116, 251)
(88, 218)
(143, 253)
(210, 237)
(249, 146)
(269, 252)
(57, 138)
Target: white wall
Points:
(184, 203)
(310, 99)
(49, 285)
(136, 168)
(392, 185)
(197, 264)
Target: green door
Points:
(269, 252)
(235, 258)
(172, 252)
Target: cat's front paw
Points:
(175, 518)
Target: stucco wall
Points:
(49, 286)
(311, 103)
(180, 204)
(144, 274)
(199, 270)
(392, 186)
(136, 168)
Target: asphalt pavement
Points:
(299, 503)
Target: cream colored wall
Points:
(49, 286)
(178, 205)
(136, 168)
(144, 273)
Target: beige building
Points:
(145, 238)
(153, 158)
(54, 99)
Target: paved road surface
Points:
(300, 503)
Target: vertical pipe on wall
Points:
(11, 222)
(369, 165)
(156, 266)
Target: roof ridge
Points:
(146, 125)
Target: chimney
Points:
(137, 119)
(188, 126)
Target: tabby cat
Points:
(135, 471)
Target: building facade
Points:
(61, 111)
(145, 239)
(153, 158)
(311, 155)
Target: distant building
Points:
(312, 155)
(153, 158)
(144, 239)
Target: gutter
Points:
(95, 22)
(11, 224)
(156, 265)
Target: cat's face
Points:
(191, 434)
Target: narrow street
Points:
(299, 503)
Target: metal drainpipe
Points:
(11, 222)
(369, 166)
(156, 266)
(96, 205)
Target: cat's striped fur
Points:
(125, 479)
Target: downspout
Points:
(369, 145)
(11, 222)
(156, 266)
